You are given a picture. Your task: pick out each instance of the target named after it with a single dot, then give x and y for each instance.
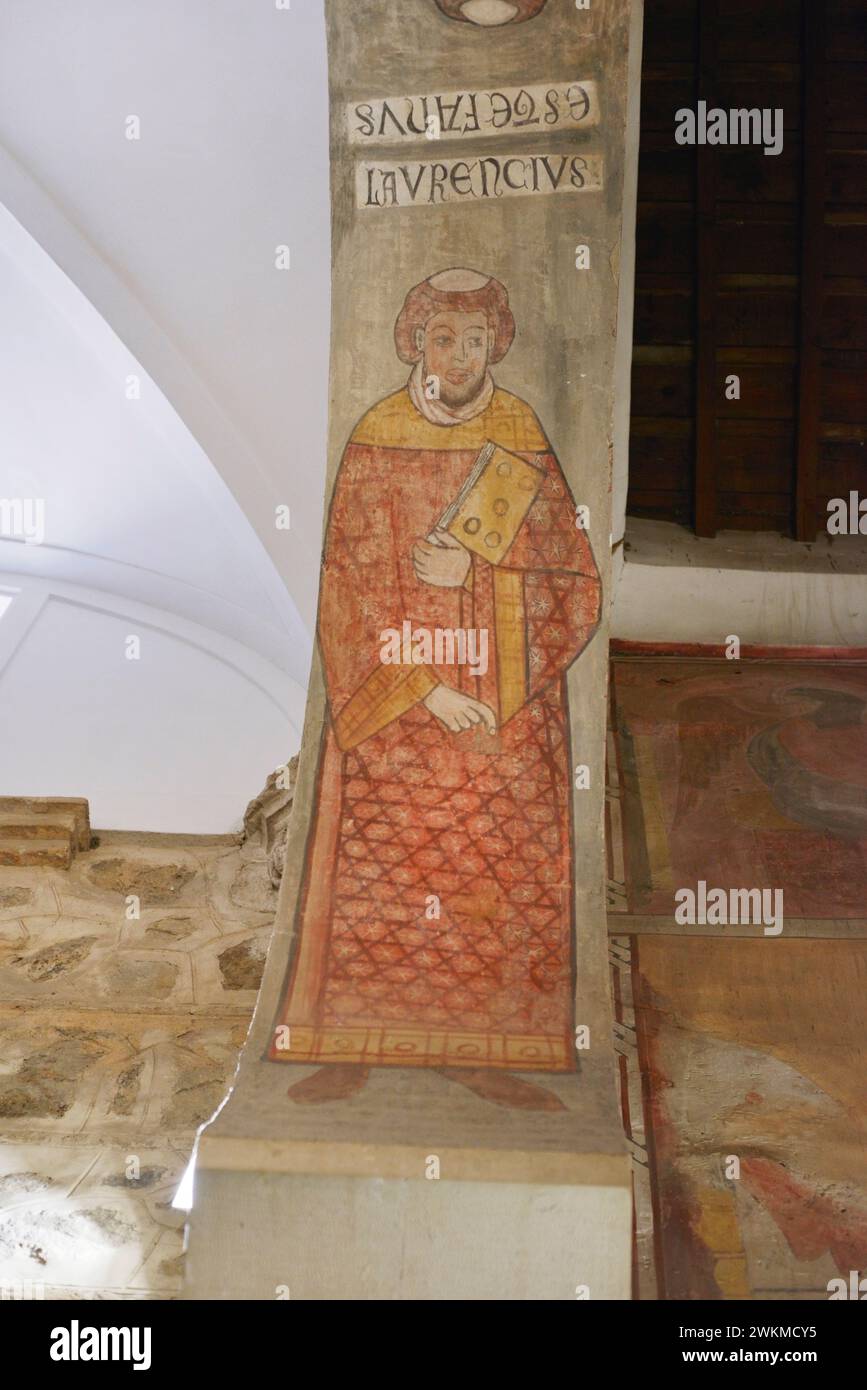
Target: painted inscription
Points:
(541, 106)
(423, 182)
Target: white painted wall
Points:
(177, 740)
(762, 588)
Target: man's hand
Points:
(458, 711)
(441, 560)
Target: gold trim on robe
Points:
(388, 692)
(394, 423)
(510, 631)
(411, 1046)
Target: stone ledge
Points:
(326, 1159)
(675, 587)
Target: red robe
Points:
(435, 920)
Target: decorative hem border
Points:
(422, 1047)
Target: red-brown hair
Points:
(424, 300)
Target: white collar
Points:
(437, 411)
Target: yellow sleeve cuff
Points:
(388, 692)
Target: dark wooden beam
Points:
(812, 268)
(706, 406)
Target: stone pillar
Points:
(426, 1106)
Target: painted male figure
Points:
(435, 924)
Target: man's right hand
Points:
(458, 711)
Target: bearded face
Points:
(455, 348)
(491, 13)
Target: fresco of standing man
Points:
(435, 926)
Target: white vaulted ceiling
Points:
(153, 261)
(172, 236)
(132, 505)
(137, 536)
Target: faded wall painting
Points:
(751, 775)
(434, 925)
(742, 1060)
(750, 1050)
